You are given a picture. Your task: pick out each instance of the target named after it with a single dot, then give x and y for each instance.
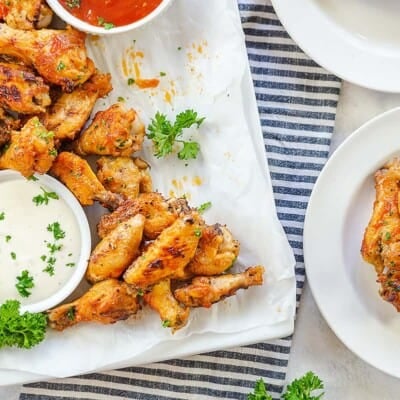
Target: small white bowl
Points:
(98, 30)
(85, 240)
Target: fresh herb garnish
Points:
(164, 134)
(204, 207)
(131, 81)
(60, 66)
(166, 323)
(388, 236)
(106, 25)
(71, 264)
(260, 392)
(24, 283)
(2, 216)
(45, 197)
(55, 228)
(13, 255)
(54, 247)
(197, 232)
(162, 73)
(120, 99)
(32, 178)
(73, 3)
(8, 238)
(71, 313)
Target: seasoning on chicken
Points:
(124, 175)
(160, 298)
(168, 255)
(113, 132)
(69, 113)
(77, 175)
(21, 90)
(105, 302)
(59, 56)
(204, 291)
(116, 251)
(30, 150)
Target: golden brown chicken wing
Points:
(21, 90)
(168, 255)
(113, 132)
(106, 302)
(30, 150)
(204, 291)
(160, 298)
(116, 251)
(59, 56)
(77, 175)
(69, 113)
(7, 124)
(124, 175)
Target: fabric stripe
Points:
(297, 105)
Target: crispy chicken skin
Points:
(204, 291)
(124, 175)
(216, 252)
(21, 90)
(160, 298)
(105, 302)
(69, 113)
(77, 175)
(30, 150)
(168, 255)
(116, 251)
(59, 56)
(113, 132)
(7, 124)
(25, 14)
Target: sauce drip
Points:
(114, 12)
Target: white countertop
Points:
(315, 347)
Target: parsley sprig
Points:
(164, 134)
(24, 283)
(45, 197)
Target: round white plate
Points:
(344, 286)
(357, 40)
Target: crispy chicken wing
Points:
(69, 113)
(106, 302)
(124, 175)
(204, 291)
(172, 313)
(77, 175)
(113, 132)
(59, 56)
(30, 150)
(168, 255)
(7, 124)
(116, 251)
(21, 90)
(159, 213)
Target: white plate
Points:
(342, 283)
(357, 40)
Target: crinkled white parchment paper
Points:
(197, 51)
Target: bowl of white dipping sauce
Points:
(45, 241)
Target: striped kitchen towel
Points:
(297, 104)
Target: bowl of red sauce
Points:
(102, 17)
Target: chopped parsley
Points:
(131, 81)
(24, 283)
(71, 264)
(8, 238)
(55, 228)
(106, 25)
(45, 197)
(197, 232)
(204, 207)
(71, 313)
(73, 3)
(121, 99)
(2, 216)
(162, 73)
(60, 66)
(32, 178)
(388, 236)
(13, 255)
(166, 323)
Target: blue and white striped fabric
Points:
(297, 103)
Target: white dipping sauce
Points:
(24, 233)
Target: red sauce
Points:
(110, 13)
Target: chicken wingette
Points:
(124, 175)
(168, 255)
(30, 150)
(77, 175)
(69, 113)
(59, 56)
(105, 302)
(21, 90)
(115, 252)
(204, 291)
(113, 132)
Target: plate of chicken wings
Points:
(179, 229)
(352, 258)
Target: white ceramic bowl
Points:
(98, 30)
(85, 240)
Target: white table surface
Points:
(315, 346)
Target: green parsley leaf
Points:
(70, 264)
(55, 228)
(54, 247)
(204, 207)
(130, 81)
(32, 178)
(71, 313)
(73, 3)
(162, 73)
(189, 150)
(260, 392)
(8, 238)
(60, 66)
(24, 283)
(2, 216)
(13, 255)
(388, 236)
(302, 388)
(49, 269)
(166, 323)
(120, 99)
(197, 232)
(45, 197)
(106, 25)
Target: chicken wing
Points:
(30, 150)
(69, 113)
(26, 14)
(7, 124)
(124, 175)
(204, 291)
(21, 90)
(168, 255)
(160, 298)
(77, 175)
(105, 302)
(113, 132)
(59, 56)
(216, 252)
(159, 214)
(116, 251)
